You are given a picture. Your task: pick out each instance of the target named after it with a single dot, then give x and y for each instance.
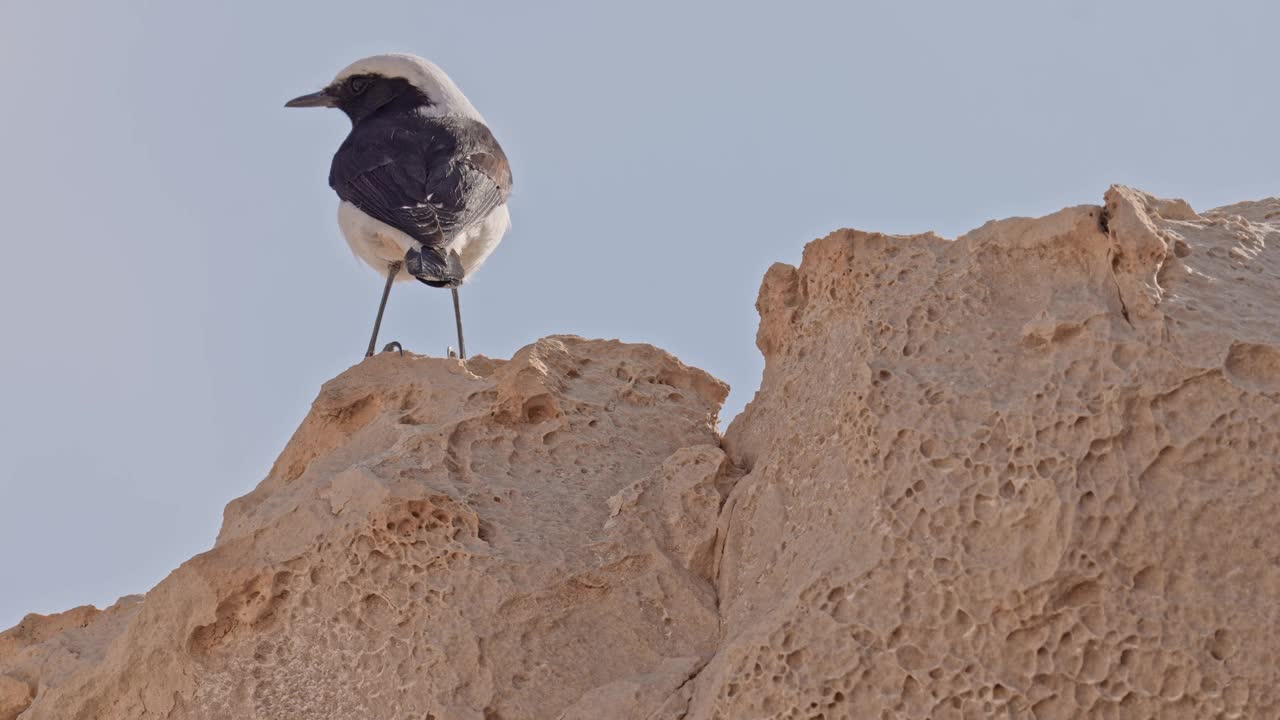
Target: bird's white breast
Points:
(477, 242)
(379, 244)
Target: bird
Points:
(421, 180)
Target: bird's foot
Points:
(393, 345)
(451, 353)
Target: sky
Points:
(175, 288)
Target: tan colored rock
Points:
(1033, 472)
(438, 541)
(48, 650)
(15, 696)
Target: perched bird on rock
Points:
(422, 181)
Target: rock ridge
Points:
(1031, 472)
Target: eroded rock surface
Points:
(487, 541)
(1032, 472)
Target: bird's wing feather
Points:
(428, 177)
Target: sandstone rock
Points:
(437, 541)
(15, 696)
(48, 650)
(1033, 472)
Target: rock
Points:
(48, 650)
(1033, 472)
(15, 696)
(436, 541)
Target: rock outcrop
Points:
(1032, 472)
(438, 540)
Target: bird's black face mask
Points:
(360, 96)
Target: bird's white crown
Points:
(446, 97)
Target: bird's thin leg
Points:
(392, 270)
(457, 316)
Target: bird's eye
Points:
(359, 84)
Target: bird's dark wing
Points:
(428, 177)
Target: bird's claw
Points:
(451, 353)
(393, 345)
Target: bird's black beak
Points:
(315, 99)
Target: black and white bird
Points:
(422, 182)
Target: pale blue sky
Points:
(175, 288)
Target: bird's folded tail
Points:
(434, 267)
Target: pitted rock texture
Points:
(1032, 473)
(439, 540)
